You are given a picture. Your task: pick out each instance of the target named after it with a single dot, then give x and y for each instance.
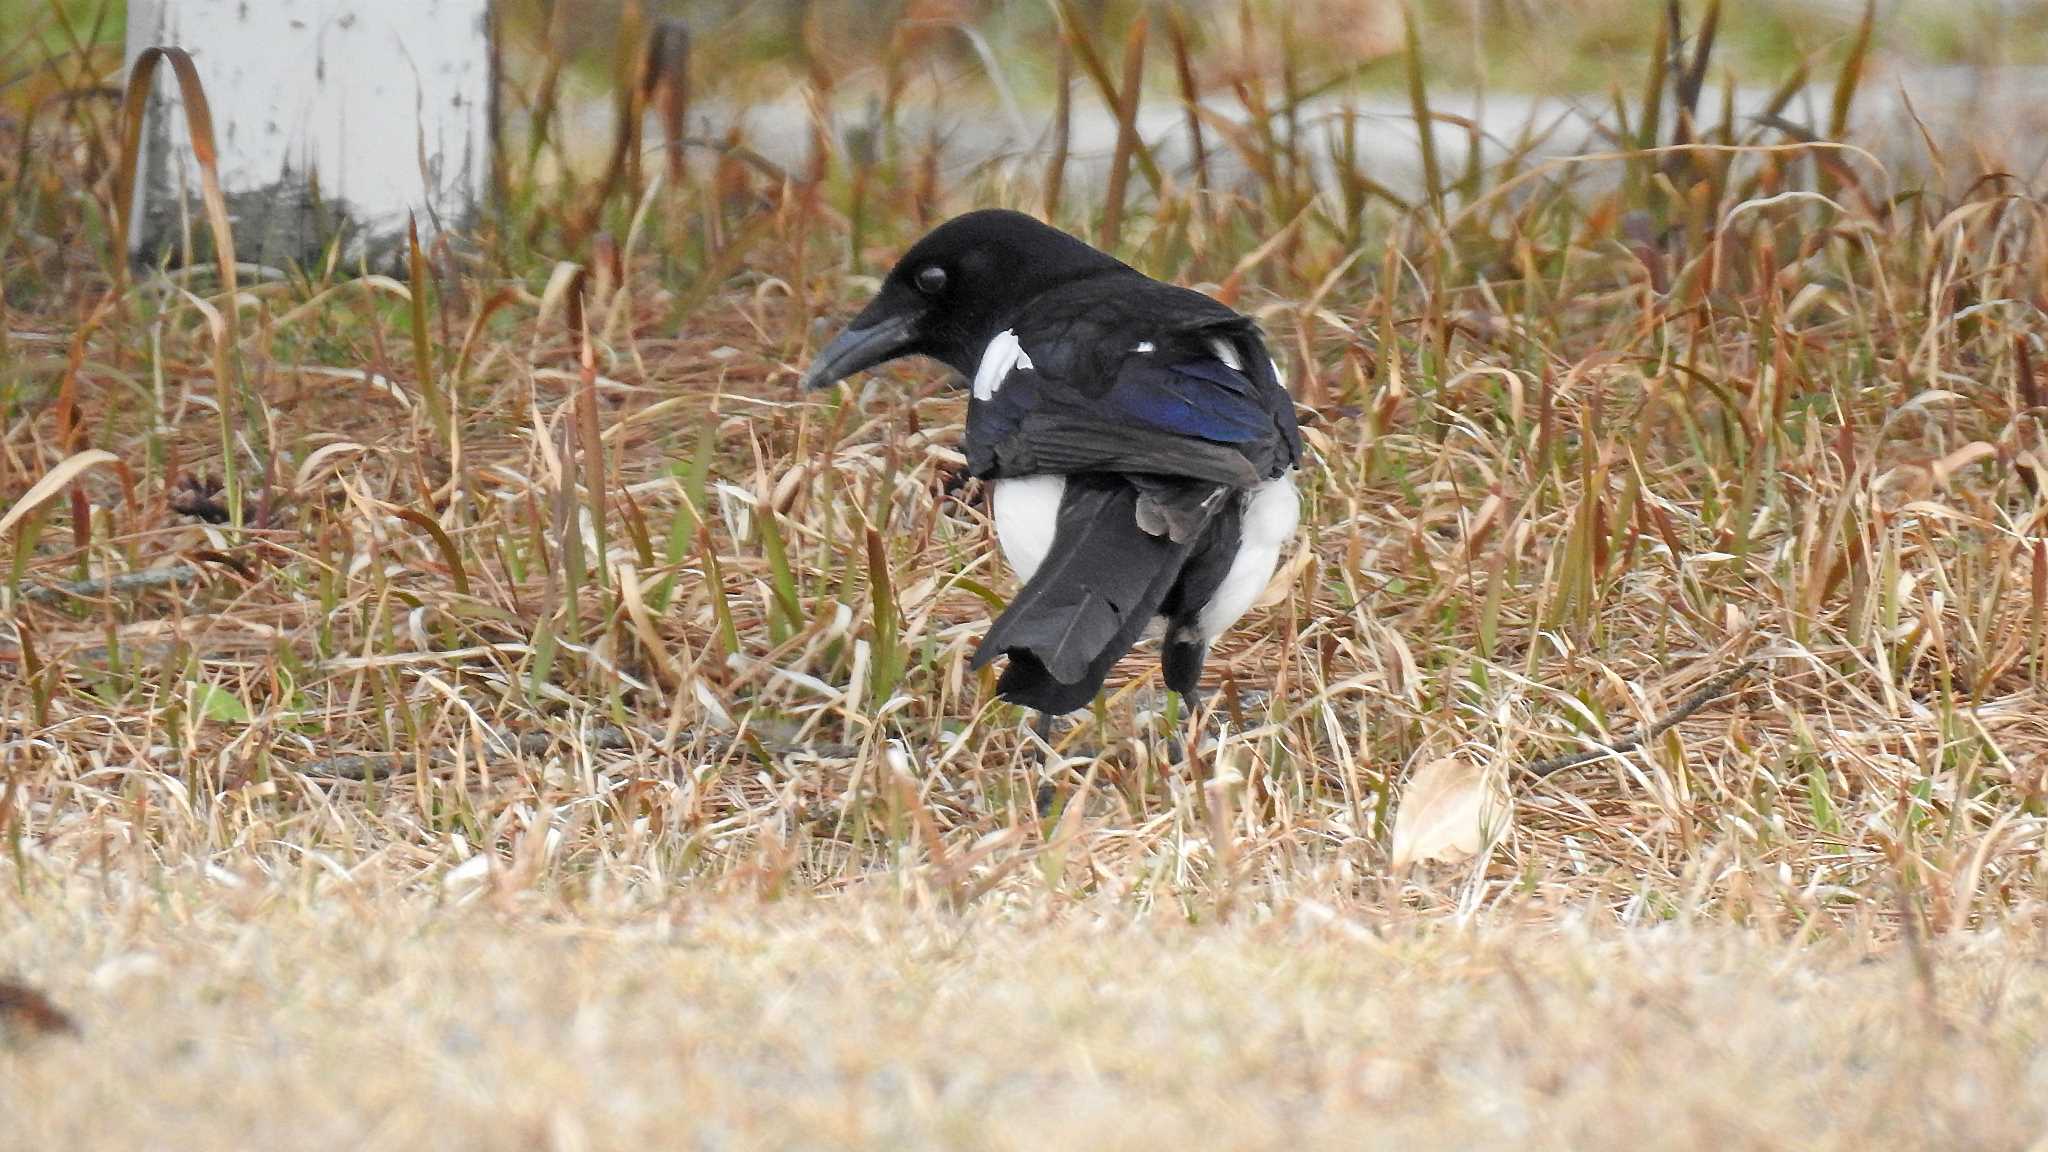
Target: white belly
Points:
(1027, 511)
(1271, 513)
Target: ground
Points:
(860, 1023)
(480, 703)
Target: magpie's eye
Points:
(931, 281)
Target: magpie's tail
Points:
(1101, 583)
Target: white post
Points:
(333, 118)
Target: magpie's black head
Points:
(951, 293)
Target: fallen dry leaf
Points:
(1450, 810)
(27, 1012)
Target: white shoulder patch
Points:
(1226, 353)
(1144, 346)
(1003, 356)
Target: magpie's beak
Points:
(858, 349)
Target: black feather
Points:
(1026, 683)
(1091, 400)
(1176, 509)
(1180, 665)
(1101, 583)
(1059, 443)
(1185, 649)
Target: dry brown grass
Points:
(600, 761)
(213, 1020)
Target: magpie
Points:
(1140, 447)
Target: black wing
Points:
(1129, 375)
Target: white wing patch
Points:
(1271, 513)
(1226, 353)
(1027, 511)
(1144, 347)
(1002, 357)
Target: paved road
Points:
(1990, 118)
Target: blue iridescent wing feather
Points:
(1204, 399)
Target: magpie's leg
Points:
(1191, 725)
(1175, 725)
(1181, 659)
(1041, 726)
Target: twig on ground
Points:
(359, 766)
(175, 576)
(1705, 694)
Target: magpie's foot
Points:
(1042, 726)
(1187, 739)
(1043, 758)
